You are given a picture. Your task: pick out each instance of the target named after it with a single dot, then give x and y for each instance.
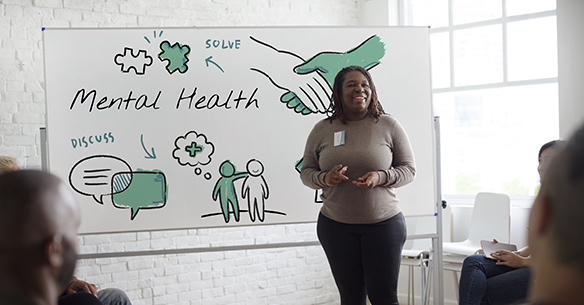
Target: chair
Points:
(418, 254)
(490, 220)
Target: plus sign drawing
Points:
(193, 149)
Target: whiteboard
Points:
(171, 128)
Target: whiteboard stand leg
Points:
(437, 242)
(44, 161)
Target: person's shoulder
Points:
(321, 127)
(388, 119)
(326, 123)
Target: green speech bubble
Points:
(139, 190)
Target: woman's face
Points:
(356, 95)
(544, 160)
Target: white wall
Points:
(379, 12)
(274, 276)
(570, 65)
(277, 276)
(22, 104)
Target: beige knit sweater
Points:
(381, 146)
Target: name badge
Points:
(339, 138)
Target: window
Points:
(494, 75)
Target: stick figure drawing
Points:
(256, 190)
(225, 191)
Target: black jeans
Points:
(364, 258)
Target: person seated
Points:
(109, 296)
(38, 238)
(556, 224)
(506, 279)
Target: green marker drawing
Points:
(194, 149)
(176, 55)
(312, 93)
(150, 156)
(328, 64)
(139, 190)
(224, 189)
(208, 60)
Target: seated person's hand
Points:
(510, 259)
(77, 285)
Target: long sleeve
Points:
(311, 174)
(370, 145)
(403, 168)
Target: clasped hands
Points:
(337, 175)
(77, 285)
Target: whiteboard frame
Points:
(292, 221)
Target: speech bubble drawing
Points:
(193, 149)
(92, 176)
(139, 190)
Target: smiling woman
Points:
(360, 227)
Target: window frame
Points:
(521, 201)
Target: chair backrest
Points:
(490, 217)
(420, 225)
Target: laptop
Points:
(490, 246)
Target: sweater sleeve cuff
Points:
(383, 178)
(321, 181)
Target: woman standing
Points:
(358, 156)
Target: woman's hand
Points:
(510, 259)
(336, 175)
(368, 181)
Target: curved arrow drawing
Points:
(150, 156)
(208, 60)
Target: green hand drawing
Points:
(293, 101)
(328, 64)
(308, 94)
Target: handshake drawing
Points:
(308, 84)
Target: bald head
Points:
(39, 219)
(35, 205)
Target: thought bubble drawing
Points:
(193, 149)
(92, 176)
(139, 190)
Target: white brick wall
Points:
(296, 275)
(21, 53)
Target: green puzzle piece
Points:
(176, 56)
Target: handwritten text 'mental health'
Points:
(186, 99)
